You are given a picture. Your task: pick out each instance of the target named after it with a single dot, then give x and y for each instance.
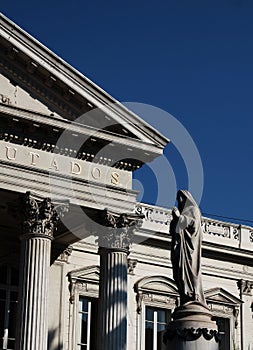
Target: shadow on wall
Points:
(53, 340)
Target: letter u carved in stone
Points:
(11, 153)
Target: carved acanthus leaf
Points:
(245, 286)
(39, 217)
(118, 229)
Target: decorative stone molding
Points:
(224, 304)
(158, 291)
(84, 281)
(158, 216)
(132, 263)
(64, 256)
(155, 300)
(42, 143)
(245, 287)
(41, 217)
(190, 334)
(216, 231)
(5, 99)
(236, 315)
(217, 228)
(251, 236)
(81, 287)
(118, 229)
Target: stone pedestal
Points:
(192, 329)
(114, 241)
(38, 226)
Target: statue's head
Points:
(181, 199)
(184, 198)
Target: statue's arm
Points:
(185, 221)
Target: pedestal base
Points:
(192, 329)
(199, 344)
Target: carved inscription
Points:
(64, 165)
(5, 99)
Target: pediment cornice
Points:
(221, 296)
(64, 89)
(89, 273)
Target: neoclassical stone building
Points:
(83, 266)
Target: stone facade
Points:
(94, 264)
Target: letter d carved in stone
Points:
(75, 168)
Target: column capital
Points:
(39, 216)
(118, 229)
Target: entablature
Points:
(76, 140)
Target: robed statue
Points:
(191, 326)
(186, 232)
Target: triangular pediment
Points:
(221, 296)
(90, 273)
(37, 80)
(17, 96)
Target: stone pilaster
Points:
(114, 242)
(39, 221)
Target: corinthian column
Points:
(38, 227)
(114, 242)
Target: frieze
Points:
(49, 147)
(221, 308)
(62, 165)
(155, 299)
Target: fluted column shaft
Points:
(113, 299)
(114, 241)
(35, 262)
(39, 218)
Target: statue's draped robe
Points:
(186, 251)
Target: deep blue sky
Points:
(193, 59)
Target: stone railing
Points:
(157, 220)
